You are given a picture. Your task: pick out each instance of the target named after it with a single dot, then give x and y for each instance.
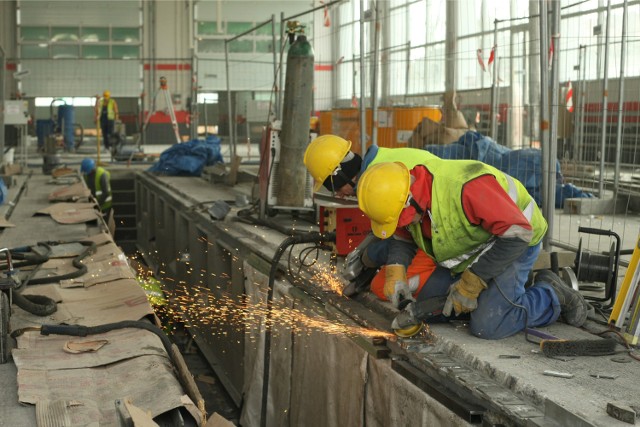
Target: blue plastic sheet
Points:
(524, 165)
(189, 158)
(3, 191)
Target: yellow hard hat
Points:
(382, 194)
(323, 156)
(106, 94)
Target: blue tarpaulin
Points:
(3, 191)
(524, 165)
(189, 158)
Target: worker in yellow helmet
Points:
(106, 111)
(481, 224)
(333, 165)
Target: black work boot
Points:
(573, 307)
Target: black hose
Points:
(314, 237)
(83, 331)
(82, 269)
(39, 305)
(27, 255)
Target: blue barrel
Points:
(66, 118)
(44, 128)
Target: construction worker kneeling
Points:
(479, 224)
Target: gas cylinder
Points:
(66, 117)
(294, 136)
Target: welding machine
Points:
(350, 224)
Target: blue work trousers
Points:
(497, 318)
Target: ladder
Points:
(628, 301)
(164, 90)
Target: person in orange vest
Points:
(107, 114)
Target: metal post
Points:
(281, 75)
(3, 68)
(275, 67)
(552, 152)
(534, 72)
(623, 48)
(583, 98)
(576, 117)
(232, 121)
(374, 76)
(363, 113)
(605, 98)
(195, 119)
(451, 50)
(494, 85)
(407, 73)
(547, 210)
(193, 110)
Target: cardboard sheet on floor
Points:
(148, 381)
(104, 252)
(107, 271)
(100, 238)
(97, 305)
(4, 223)
(66, 250)
(55, 267)
(70, 193)
(35, 351)
(71, 213)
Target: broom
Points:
(553, 346)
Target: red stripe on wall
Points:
(169, 67)
(323, 67)
(11, 67)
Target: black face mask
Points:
(347, 173)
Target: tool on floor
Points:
(623, 412)
(164, 90)
(558, 374)
(552, 346)
(628, 301)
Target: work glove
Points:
(396, 288)
(463, 295)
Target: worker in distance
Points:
(106, 111)
(98, 180)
